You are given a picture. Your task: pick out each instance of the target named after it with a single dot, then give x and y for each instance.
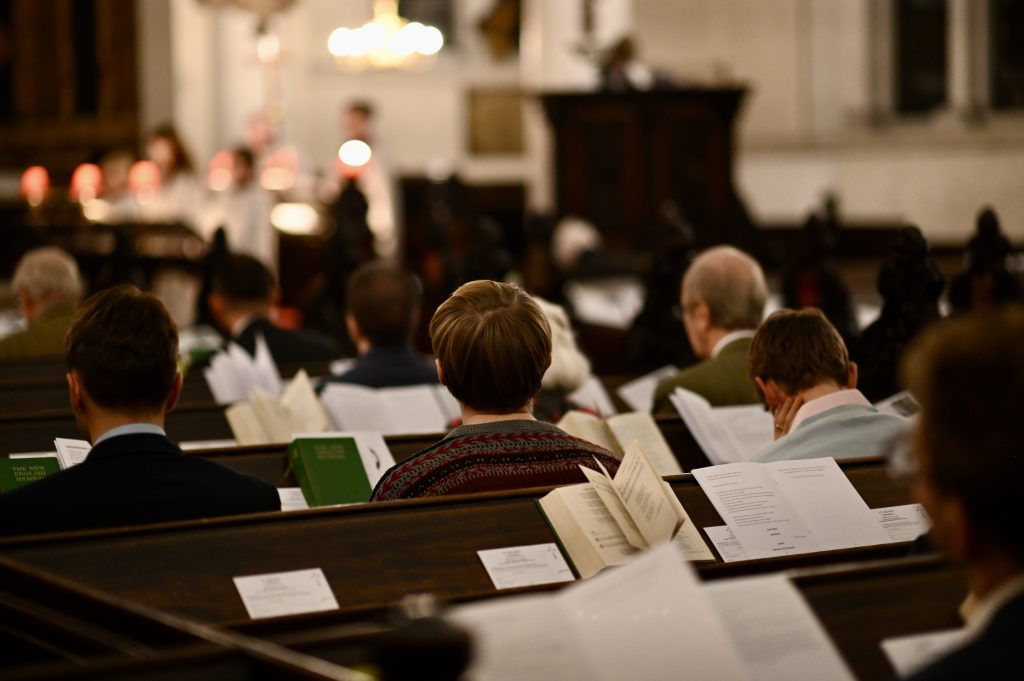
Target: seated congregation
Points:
(493, 347)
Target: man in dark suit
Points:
(244, 291)
(122, 380)
(968, 375)
(383, 309)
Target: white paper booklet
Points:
(777, 633)
(593, 396)
(648, 620)
(410, 410)
(901, 404)
(639, 393)
(233, 374)
(264, 419)
(789, 507)
(615, 432)
(71, 452)
(726, 434)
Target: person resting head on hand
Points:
(804, 375)
(492, 345)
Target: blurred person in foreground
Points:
(492, 346)
(968, 375)
(49, 287)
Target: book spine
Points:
(301, 476)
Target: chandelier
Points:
(386, 42)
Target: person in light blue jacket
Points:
(805, 377)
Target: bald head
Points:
(43, 277)
(723, 291)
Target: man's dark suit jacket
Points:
(389, 367)
(994, 655)
(288, 346)
(130, 480)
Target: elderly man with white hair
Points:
(49, 288)
(722, 303)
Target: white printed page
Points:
(71, 452)
(688, 539)
(643, 494)
(271, 415)
(750, 427)
(712, 437)
(304, 411)
(639, 393)
(827, 503)
(903, 523)
(374, 452)
(725, 541)
(286, 593)
(518, 566)
(642, 427)
(755, 509)
(413, 410)
(775, 630)
(355, 407)
(909, 654)
(613, 503)
(592, 395)
(649, 619)
(598, 525)
(590, 428)
(230, 375)
(521, 639)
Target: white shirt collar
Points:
(826, 402)
(980, 616)
(131, 429)
(729, 338)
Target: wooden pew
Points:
(51, 629)
(373, 554)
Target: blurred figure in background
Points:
(49, 288)
(568, 370)
(180, 193)
(376, 179)
(911, 285)
(243, 210)
(987, 281)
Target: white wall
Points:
(806, 126)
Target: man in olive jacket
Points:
(722, 300)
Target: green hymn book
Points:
(329, 470)
(17, 472)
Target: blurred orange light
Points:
(144, 178)
(280, 170)
(85, 182)
(35, 182)
(219, 176)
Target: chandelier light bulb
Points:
(355, 153)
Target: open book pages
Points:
(726, 434)
(233, 374)
(790, 507)
(71, 452)
(777, 633)
(615, 432)
(265, 419)
(581, 634)
(639, 393)
(593, 396)
(410, 410)
(604, 521)
(610, 301)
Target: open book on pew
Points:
(603, 522)
(615, 432)
(409, 410)
(264, 418)
(901, 404)
(647, 620)
(726, 434)
(338, 468)
(233, 374)
(790, 507)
